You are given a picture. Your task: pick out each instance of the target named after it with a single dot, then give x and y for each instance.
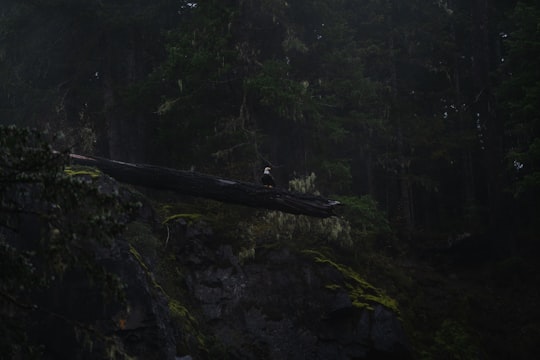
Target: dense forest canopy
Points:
(421, 117)
(427, 106)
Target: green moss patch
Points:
(363, 295)
(82, 171)
(179, 312)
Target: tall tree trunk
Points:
(113, 130)
(466, 171)
(489, 126)
(406, 204)
(125, 129)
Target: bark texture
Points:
(211, 187)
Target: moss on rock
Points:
(363, 295)
(82, 171)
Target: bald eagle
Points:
(267, 178)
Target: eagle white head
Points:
(267, 170)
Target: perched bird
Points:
(267, 178)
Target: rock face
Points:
(144, 331)
(75, 316)
(280, 306)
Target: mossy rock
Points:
(82, 171)
(363, 295)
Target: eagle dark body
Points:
(267, 179)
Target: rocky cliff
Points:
(283, 304)
(186, 294)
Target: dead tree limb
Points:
(211, 187)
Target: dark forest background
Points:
(429, 108)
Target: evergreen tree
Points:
(72, 66)
(518, 97)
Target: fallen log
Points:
(211, 187)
